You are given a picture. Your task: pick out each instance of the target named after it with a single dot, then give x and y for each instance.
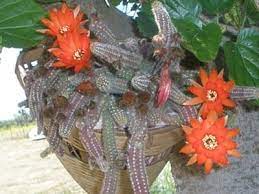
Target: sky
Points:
(11, 91)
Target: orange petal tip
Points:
(186, 129)
(234, 153)
(193, 101)
(192, 160)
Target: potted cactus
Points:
(119, 96)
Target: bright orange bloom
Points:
(73, 52)
(62, 21)
(209, 141)
(214, 93)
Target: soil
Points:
(23, 171)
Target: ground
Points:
(23, 171)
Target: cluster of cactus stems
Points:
(53, 98)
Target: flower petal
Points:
(193, 101)
(187, 149)
(194, 83)
(76, 11)
(203, 76)
(221, 74)
(212, 117)
(208, 166)
(187, 129)
(201, 159)
(229, 103)
(229, 85)
(59, 64)
(232, 133)
(192, 160)
(195, 123)
(213, 75)
(234, 152)
(198, 91)
(229, 145)
(223, 161)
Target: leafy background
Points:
(201, 23)
(18, 21)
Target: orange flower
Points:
(62, 21)
(214, 93)
(73, 52)
(209, 141)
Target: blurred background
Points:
(23, 170)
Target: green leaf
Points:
(18, 21)
(115, 2)
(242, 58)
(216, 6)
(146, 22)
(235, 15)
(203, 41)
(183, 8)
(251, 10)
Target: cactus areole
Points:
(92, 82)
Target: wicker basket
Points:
(90, 179)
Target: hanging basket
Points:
(90, 178)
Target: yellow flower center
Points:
(64, 29)
(212, 95)
(210, 142)
(78, 54)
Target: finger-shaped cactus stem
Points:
(165, 26)
(112, 54)
(177, 96)
(136, 158)
(52, 133)
(110, 181)
(240, 93)
(141, 81)
(110, 151)
(93, 146)
(187, 76)
(103, 33)
(130, 44)
(125, 73)
(36, 101)
(28, 82)
(108, 83)
(172, 119)
(186, 113)
(77, 101)
(108, 137)
(136, 166)
(167, 41)
(154, 117)
(52, 79)
(118, 114)
(54, 138)
(36, 95)
(88, 138)
(39, 120)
